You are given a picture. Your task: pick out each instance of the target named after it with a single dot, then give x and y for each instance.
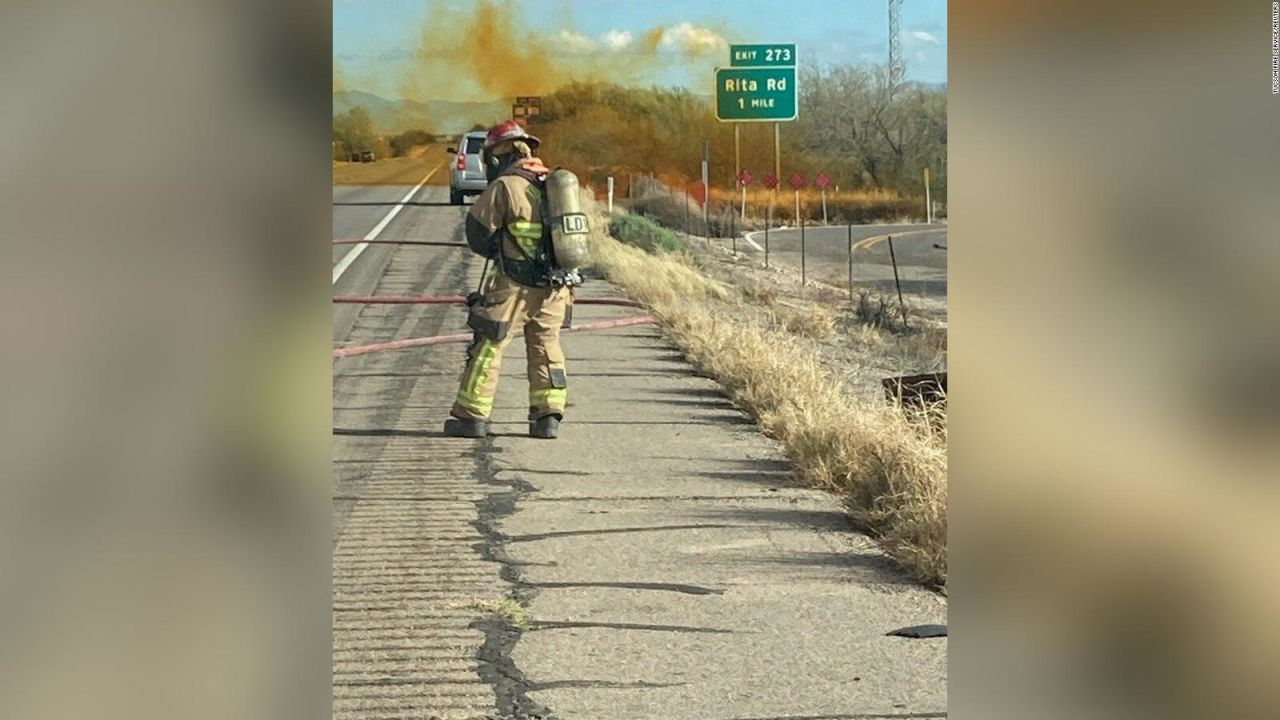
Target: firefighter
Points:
(526, 291)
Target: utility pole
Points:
(895, 46)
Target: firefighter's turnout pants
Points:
(505, 307)
(505, 223)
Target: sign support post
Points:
(706, 189)
(758, 86)
(777, 157)
(822, 181)
(737, 167)
(706, 159)
(737, 153)
(744, 179)
(777, 163)
(928, 201)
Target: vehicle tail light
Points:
(462, 159)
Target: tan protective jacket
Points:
(514, 206)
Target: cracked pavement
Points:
(656, 561)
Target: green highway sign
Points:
(764, 55)
(756, 94)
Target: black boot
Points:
(545, 428)
(458, 427)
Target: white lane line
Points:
(753, 244)
(359, 248)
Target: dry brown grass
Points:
(753, 289)
(396, 171)
(813, 321)
(890, 470)
(668, 205)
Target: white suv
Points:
(466, 175)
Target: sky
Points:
(374, 40)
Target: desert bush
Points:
(667, 210)
(402, 143)
(353, 132)
(643, 232)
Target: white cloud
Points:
(576, 43)
(693, 39)
(924, 37)
(617, 39)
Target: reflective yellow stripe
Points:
(527, 234)
(525, 229)
(474, 403)
(534, 194)
(469, 395)
(551, 397)
(480, 367)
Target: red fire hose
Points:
(433, 243)
(458, 300)
(466, 337)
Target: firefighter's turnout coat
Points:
(506, 224)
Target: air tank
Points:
(569, 225)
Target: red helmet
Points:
(509, 130)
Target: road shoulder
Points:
(671, 569)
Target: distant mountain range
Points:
(440, 116)
(444, 116)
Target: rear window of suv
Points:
(473, 146)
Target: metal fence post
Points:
(894, 259)
(733, 230)
(803, 271)
(851, 262)
(706, 218)
(686, 216)
(768, 221)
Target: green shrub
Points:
(644, 233)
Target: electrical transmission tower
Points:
(895, 45)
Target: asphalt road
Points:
(664, 563)
(922, 268)
(358, 210)
(408, 583)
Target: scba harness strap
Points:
(537, 268)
